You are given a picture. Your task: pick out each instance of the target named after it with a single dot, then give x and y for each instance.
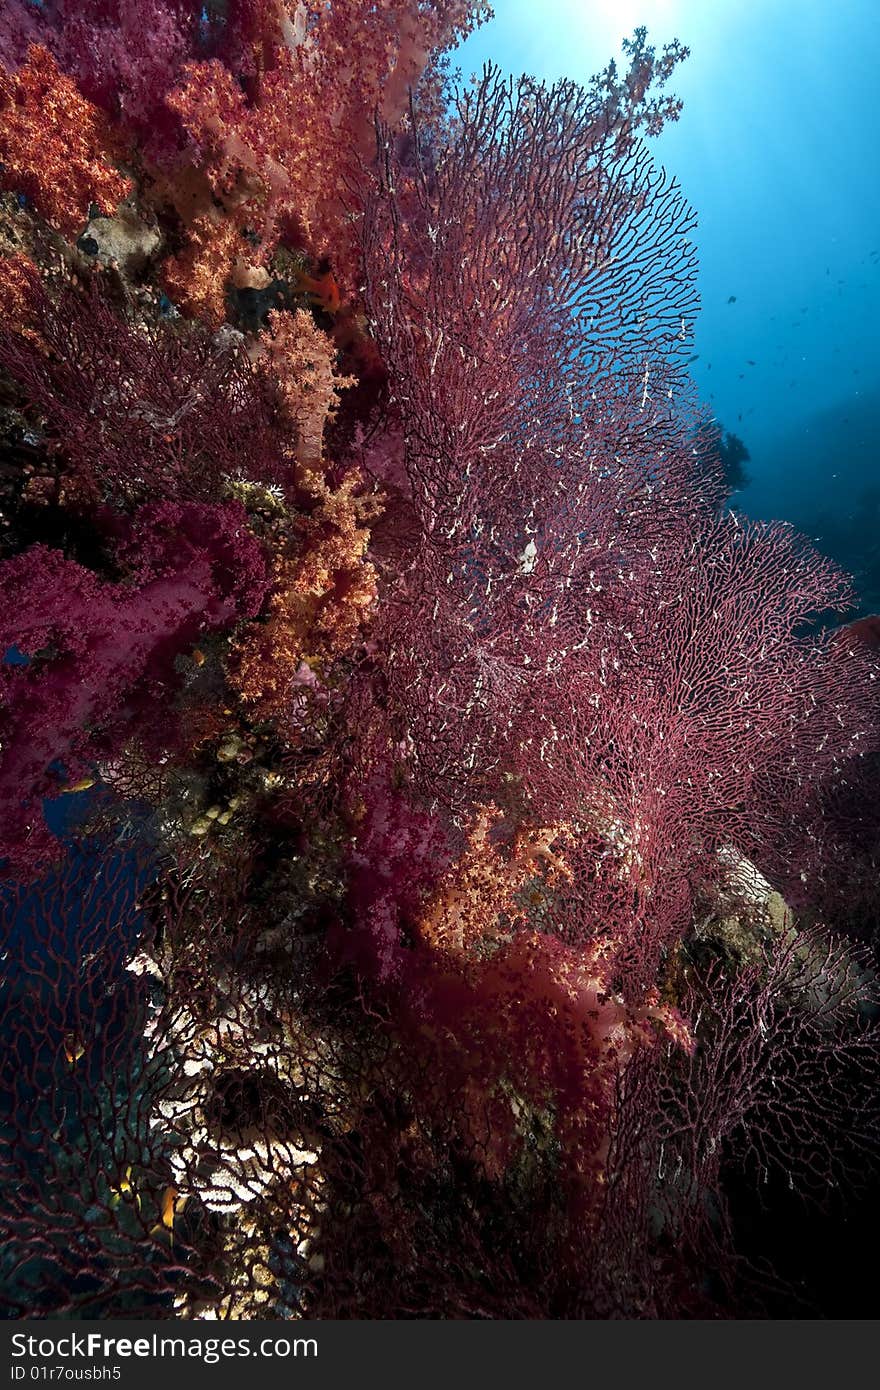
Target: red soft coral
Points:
(55, 146)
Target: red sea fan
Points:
(776, 1105)
(80, 1173)
(139, 413)
(579, 633)
(526, 281)
(129, 1120)
(665, 704)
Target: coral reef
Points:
(422, 800)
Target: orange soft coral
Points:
(481, 889)
(316, 86)
(19, 279)
(321, 599)
(55, 146)
(300, 361)
(196, 279)
(324, 591)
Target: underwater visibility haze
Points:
(774, 149)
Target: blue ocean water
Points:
(776, 149)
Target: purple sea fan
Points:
(529, 280)
(81, 1173)
(579, 632)
(778, 1104)
(138, 413)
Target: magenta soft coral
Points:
(92, 646)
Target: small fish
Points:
(732, 299)
(74, 1048)
(198, 656)
(81, 786)
(695, 358)
(750, 363)
(171, 1200)
(125, 1190)
(322, 289)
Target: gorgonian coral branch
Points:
(138, 413)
